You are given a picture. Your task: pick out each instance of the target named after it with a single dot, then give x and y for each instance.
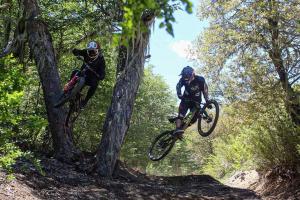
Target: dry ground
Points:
(63, 181)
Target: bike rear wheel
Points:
(66, 97)
(74, 110)
(207, 123)
(161, 146)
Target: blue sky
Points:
(167, 52)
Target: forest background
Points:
(249, 51)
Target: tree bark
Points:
(119, 114)
(40, 44)
(122, 58)
(7, 24)
(292, 103)
(7, 44)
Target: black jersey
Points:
(192, 90)
(98, 64)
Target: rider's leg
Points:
(178, 123)
(195, 118)
(75, 71)
(93, 86)
(182, 110)
(71, 81)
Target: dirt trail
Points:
(63, 181)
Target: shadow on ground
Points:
(62, 181)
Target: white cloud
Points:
(182, 48)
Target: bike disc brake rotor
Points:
(208, 118)
(161, 147)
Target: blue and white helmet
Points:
(93, 49)
(187, 72)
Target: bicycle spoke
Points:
(208, 121)
(161, 146)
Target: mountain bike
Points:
(71, 93)
(207, 115)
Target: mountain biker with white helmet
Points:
(194, 85)
(93, 56)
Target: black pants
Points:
(90, 81)
(183, 108)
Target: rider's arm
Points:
(178, 88)
(101, 70)
(78, 52)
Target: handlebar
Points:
(192, 100)
(198, 104)
(87, 66)
(82, 59)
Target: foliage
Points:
(8, 20)
(186, 157)
(269, 141)
(9, 154)
(238, 52)
(13, 122)
(88, 127)
(153, 104)
(231, 144)
(236, 55)
(11, 85)
(163, 9)
(251, 31)
(72, 24)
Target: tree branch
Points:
(294, 81)
(7, 50)
(4, 6)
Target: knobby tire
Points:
(166, 149)
(215, 120)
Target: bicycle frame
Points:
(191, 114)
(164, 142)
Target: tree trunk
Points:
(292, 103)
(40, 43)
(7, 24)
(119, 114)
(122, 58)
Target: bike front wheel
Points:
(161, 146)
(208, 121)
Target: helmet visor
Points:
(92, 52)
(187, 77)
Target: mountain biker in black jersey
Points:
(93, 57)
(193, 85)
